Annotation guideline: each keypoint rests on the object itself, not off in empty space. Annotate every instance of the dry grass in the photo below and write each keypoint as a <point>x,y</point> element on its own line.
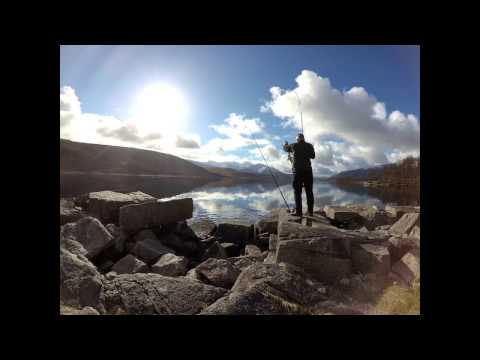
<point>397,300</point>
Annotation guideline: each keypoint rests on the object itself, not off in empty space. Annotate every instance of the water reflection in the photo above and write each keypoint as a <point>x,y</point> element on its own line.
<point>247,202</point>
<point>225,201</point>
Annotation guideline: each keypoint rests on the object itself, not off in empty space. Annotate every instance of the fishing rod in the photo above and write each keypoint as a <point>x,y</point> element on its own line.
<point>300,108</point>
<point>268,167</point>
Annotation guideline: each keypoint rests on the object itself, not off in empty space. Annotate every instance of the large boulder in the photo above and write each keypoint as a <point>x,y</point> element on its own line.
<point>157,294</point>
<point>231,249</point>
<point>87,310</point>
<point>269,223</point>
<point>69,212</point>
<point>343,216</point>
<point>80,282</point>
<point>242,262</point>
<point>415,233</point>
<point>323,258</point>
<point>408,268</point>
<point>119,237</point>
<point>396,211</point>
<point>153,214</point>
<point>105,205</point>
<point>368,258</point>
<point>73,246</point>
<point>233,233</point>
<point>129,264</point>
<point>405,224</point>
<point>269,289</point>
<point>217,272</point>
<point>90,233</point>
<point>252,250</point>
<point>399,246</point>
<point>182,239</point>
<point>148,247</point>
<point>216,251</point>
<point>170,265</point>
<point>371,215</point>
<point>322,251</point>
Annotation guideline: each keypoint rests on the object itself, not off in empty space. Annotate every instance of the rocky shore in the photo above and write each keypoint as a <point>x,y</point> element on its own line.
<point>134,254</point>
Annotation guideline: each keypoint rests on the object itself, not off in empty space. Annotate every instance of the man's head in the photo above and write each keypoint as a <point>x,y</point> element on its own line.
<point>300,138</point>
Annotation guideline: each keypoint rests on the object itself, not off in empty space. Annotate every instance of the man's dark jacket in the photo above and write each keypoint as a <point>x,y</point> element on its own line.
<point>302,153</point>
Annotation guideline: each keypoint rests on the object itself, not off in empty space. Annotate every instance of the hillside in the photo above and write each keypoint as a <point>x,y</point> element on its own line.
<point>405,172</point>
<point>243,170</point>
<point>83,157</point>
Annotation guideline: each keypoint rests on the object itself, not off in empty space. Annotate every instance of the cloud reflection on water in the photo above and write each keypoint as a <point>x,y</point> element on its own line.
<point>248,202</point>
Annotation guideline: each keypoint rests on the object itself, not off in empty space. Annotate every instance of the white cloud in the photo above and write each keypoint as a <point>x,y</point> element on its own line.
<point>365,133</point>
<point>101,129</point>
<point>238,132</point>
<point>188,143</point>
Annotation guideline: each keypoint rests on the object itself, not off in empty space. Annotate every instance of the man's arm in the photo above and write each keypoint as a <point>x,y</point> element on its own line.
<point>287,147</point>
<point>312,154</point>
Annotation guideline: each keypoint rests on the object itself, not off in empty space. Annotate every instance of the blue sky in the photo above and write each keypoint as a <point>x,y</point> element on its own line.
<point>100,85</point>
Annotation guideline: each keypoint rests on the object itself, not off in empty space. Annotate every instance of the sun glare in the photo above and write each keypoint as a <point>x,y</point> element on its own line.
<point>160,107</point>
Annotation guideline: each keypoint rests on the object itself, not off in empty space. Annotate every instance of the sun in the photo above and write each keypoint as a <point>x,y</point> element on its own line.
<point>160,107</point>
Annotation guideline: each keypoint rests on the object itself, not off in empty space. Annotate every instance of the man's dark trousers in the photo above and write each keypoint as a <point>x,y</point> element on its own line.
<point>303,177</point>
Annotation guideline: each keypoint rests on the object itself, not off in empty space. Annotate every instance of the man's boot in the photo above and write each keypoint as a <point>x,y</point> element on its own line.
<point>298,205</point>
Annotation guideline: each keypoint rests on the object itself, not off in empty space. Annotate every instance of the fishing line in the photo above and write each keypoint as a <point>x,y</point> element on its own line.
<point>268,167</point>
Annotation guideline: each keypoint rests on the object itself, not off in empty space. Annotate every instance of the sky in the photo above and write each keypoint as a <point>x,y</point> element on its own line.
<point>360,105</point>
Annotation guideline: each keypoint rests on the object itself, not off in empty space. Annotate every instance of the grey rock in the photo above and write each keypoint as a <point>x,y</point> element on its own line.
<point>119,237</point>
<point>343,215</point>
<point>383,227</point>
<point>405,224</point>
<point>231,249</point>
<point>322,258</point>
<point>129,264</point>
<point>269,289</point>
<point>415,233</point>
<point>90,233</point>
<point>182,239</point>
<point>371,215</point>
<point>87,310</point>
<point>408,267</point>
<point>69,212</point>
<point>215,251</point>
<point>148,248</point>
<point>136,217</point>
<point>217,272</point>
<point>267,225</point>
<point>368,258</point>
<point>252,250</point>
<point>273,242</point>
<point>105,205</point>
<point>73,246</point>
<point>157,294</point>
<point>80,282</point>
<point>233,233</point>
<point>170,265</point>
<point>396,212</point>
<point>399,246</point>
<point>242,262</point>
<point>192,274</point>
<point>105,266</point>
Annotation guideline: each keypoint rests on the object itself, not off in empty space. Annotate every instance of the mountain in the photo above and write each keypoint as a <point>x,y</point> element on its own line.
<point>83,157</point>
<point>243,169</point>
<point>403,172</point>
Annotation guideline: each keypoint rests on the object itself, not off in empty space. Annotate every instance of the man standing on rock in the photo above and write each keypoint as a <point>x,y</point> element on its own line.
<point>302,172</point>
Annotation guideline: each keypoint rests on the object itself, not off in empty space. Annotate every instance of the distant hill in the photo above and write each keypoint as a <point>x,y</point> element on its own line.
<point>244,170</point>
<point>83,157</point>
<point>95,158</point>
<point>404,172</point>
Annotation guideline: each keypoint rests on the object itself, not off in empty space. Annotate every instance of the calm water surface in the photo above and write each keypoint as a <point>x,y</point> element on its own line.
<point>243,203</point>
